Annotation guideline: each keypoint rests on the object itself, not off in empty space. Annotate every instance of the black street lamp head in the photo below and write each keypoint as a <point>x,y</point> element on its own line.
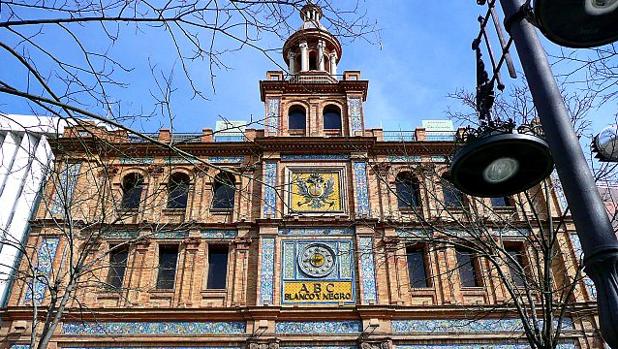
<point>605,144</point>
<point>578,23</point>
<point>501,164</point>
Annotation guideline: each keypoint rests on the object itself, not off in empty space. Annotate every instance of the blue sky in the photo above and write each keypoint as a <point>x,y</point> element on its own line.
<point>424,53</point>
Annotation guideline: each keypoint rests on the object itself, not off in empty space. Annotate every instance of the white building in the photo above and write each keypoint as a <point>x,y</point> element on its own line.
<point>25,158</point>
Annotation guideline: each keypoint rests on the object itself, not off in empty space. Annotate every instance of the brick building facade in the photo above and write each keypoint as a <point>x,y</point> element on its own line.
<point>298,235</point>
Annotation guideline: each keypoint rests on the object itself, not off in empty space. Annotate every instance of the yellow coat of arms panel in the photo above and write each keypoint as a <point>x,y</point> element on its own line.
<point>316,192</point>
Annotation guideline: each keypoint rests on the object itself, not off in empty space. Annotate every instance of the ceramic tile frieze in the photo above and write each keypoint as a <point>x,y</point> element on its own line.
<point>315,231</point>
<point>404,159</point>
<point>270,192</point>
<point>368,274</point>
<point>321,347</point>
<point>65,187</point>
<point>35,290</point>
<point>477,346</point>
<point>120,235</point>
<point>463,326</point>
<point>226,159</point>
<point>267,273</point>
<point>171,235</point>
<point>361,189</point>
<point>219,234</point>
<point>315,157</point>
<point>318,327</point>
<point>147,160</point>
<point>354,109</point>
<point>272,119</point>
<point>155,347</point>
<point>171,328</point>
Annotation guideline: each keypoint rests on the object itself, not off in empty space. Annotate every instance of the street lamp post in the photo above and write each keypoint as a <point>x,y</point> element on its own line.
<point>599,243</point>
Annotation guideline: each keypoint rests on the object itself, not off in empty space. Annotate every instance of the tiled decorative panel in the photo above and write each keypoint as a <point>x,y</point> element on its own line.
<point>361,189</point>
<point>368,272</point>
<point>477,346</point>
<point>463,326</point>
<point>43,265</point>
<point>267,274</point>
<point>272,118</point>
<point>170,328</point>
<point>26,346</point>
<point>438,158</point>
<point>413,233</point>
<point>318,327</point>
<point>226,159</point>
<point>322,347</point>
<point>270,192</point>
<point>316,231</point>
<point>129,160</point>
<point>404,159</point>
<point>317,272</point>
<point>577,246</point>
<point>219,233</point>
<point>354,109</point>
<point>171,234</point>
<point>316,190</point>
<point>315,157</point>
<point>120,235</point>
<point>65,186</point>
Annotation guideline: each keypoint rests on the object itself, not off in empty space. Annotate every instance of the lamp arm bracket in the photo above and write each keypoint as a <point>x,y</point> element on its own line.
<point>525,12</point>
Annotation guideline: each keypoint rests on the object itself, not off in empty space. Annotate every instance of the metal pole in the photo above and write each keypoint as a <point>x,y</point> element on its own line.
<point>599,243</point>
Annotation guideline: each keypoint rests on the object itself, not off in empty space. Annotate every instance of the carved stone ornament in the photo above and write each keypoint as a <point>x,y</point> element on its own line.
<point>262,345</point>
<point>374,345</point>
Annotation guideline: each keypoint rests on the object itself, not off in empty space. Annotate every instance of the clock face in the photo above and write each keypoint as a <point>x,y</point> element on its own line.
<point>316,260</point>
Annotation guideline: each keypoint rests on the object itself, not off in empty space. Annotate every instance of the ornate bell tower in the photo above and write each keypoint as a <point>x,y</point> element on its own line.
<point>311,99</point>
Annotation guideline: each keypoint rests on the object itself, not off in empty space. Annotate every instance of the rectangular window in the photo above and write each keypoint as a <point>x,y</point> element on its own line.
<point>168,256</point>
<point>117,266</point>
<point>217,267</point>
<point>501,201</point>
<point>516,265</point>
<point>417,268</point>
<point>468,269</point>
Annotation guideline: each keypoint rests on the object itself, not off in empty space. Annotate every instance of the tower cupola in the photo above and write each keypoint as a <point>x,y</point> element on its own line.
<point>312,50</point>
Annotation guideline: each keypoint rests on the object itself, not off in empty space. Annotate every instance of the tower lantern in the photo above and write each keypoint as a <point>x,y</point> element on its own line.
<point>312,51</point>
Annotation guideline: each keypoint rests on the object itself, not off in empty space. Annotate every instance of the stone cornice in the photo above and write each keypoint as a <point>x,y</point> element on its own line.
<point>341,87</point>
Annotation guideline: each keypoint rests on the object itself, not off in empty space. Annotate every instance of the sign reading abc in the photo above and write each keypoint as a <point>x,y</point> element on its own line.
<point>317,292</point>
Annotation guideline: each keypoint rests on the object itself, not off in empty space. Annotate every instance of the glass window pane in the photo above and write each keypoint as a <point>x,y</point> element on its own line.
<point>500,202</point>
<point>417,268</point>
<point>467,269</point>
<point>516,265</point>
<point>168,255</point>
<point>132,185</point>
<point>217,267</point>
<point>296,118</point>
<point>178,191</point>
<point>332,118</point>
<point>117,267</point>
<point>407,190</point>
<point>224,190</point>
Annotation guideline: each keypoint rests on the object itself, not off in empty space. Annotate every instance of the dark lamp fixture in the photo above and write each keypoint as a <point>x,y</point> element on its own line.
<point>500,164</point>
<point>605,144</point>
<point>578,23</point>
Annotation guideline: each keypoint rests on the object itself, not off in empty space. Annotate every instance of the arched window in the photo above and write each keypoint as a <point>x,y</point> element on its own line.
<point>407,188</point>
<point>132,185</point>
<point>332,117</point>
<point>223,191</point>
<point>178,190</point>
<point>297,118</point>
<point>313,60</point>
<point>453,198</point>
